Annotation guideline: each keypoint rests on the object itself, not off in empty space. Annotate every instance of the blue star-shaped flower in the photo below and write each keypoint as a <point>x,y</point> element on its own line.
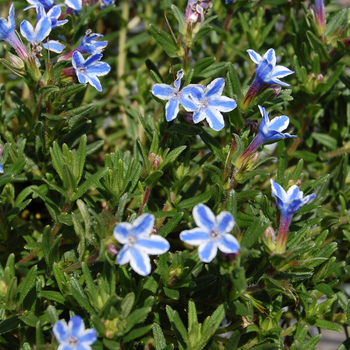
<point>37,35</point>
<point>289,202</point>
<point>88,71</point>
<point>74,336</point>
<point>7,33</point>
<point>210,103</point>
<point>266,70</point>
<point>88,44</point>
<point>211,234</point>
<point>174,96</point>
<point>53,14</point>
<point>138,243</point>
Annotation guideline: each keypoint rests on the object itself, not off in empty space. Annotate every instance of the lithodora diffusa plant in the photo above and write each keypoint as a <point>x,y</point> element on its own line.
<point>174,175</point>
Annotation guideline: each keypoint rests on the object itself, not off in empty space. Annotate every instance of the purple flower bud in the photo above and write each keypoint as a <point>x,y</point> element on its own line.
<point>112,249</point>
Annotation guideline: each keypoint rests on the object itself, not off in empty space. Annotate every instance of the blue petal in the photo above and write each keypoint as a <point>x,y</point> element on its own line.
<point>77,60</point>
<point>228,244</point>
<point>215,119</point>
<point>263,71</point>
<point>60,330</point>
<point>255,57</point>
<point>225,222</point>
<point>122,231</point>
<point>98,68</point>
<point>140,262</point>
<point>204,217</point>
<point>94,81</point>
<point>42,29</point>
<point>91,60</point>
<point>55,12</point>
<point>163,91</point>
<point>280,194</point>
<point>280,72</point>
<point>186,100</point>
<point>195,236</point>
<point>74,4</point>
<point>54,46</point>
<point>172,109</point>
<point>264,121</point>
<point>294,193</point>
<point>124,256</point>
<point>143,225</point>
<point>197,93</point>
<point>27,31</point>
<point>199,115</point>
<point>89,337</point>
<point>279,123</point>
<point>76,325</point>
<point>270,55</point>
<point>277,81</point>
<point>177,82</point>
<point>82,78</point>
<point>223,103</point>
<point>215,87</point>
<point>1,169</point>
<point>153,245</point>
<point>207,251</point>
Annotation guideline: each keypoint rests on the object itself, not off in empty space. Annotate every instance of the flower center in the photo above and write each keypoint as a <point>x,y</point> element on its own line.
<point>205,103</point>
<point>132,241</point>
<point>214,233</point>
<point>82,70</point>
<point>73,341</point>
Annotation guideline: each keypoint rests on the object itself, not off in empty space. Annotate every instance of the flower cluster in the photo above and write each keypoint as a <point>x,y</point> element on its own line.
<point>49,17</point>
<point>206,103</point>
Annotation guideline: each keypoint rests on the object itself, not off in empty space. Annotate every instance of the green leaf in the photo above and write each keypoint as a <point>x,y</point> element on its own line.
<point>202,64</point>
<point>213,145</point>
<point>26,285</point>
<point>179,16</point>
<point>202,198</point>
<point>172,156</point>
<point>233,84</point>
<point>233,342</point>
<point>170,225</point>
<point>10,324</point>
<point>164,39</point>
<point>90,181</point>
<point>159,340</point>
<point>178,326</point>
<point>137,333</point>
<point>328,325</point>
<point>138,316</point>
<point>52,295</point>
<point>255,230</point>
<point>80,296</point>
<point>153,178</point>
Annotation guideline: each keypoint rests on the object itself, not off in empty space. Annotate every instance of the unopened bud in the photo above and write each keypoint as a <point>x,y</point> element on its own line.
<point>188,118</point>
<point>276,89</point>
<point>270,238</point>
<point>230,257</point>
<point>155,160</point>
<point>174,276</point>
<point>112,249</point>
<point>154,231</point>
<point>319,78</point>
<point>16,61</point>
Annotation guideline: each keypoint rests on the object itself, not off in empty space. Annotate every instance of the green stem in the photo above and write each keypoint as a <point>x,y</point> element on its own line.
<point>338,152</point>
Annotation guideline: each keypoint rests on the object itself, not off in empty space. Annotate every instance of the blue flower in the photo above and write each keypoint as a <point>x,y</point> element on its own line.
<point>138,243</point>
<point>7,33</point>
<point>37,35</point>
<point>46,3</point>
<point>1,169</point>
<point>88,71</point>
<point>74,336</point>
<point>211,234</point>
<point>76,5</point>
<point>209,103</point>
<point>88,45</point>
<point>174,96</point>
<point>289,202</point>
<point>266,70</point>
<point>53,14</point>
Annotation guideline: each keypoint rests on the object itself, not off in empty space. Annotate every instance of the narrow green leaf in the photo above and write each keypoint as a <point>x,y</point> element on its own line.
<point>164,39</point>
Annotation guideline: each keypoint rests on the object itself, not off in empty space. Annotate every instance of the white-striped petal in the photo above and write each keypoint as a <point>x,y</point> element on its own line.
<point>207,251</point>
<point>225,222</point>
<point>228,244</point>
<point>122,231</point>
<point>54,45</point>
<point>140,262</point>
<point>214,119</point>
<point>255,57</point>
<point>204,217</point>
<point>223,103</point>
<point>196,236</point>
<point>154,245</point>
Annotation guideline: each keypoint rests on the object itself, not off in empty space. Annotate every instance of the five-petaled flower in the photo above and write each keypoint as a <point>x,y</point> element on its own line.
<point>139,243</point>
<point>288,203</point>
<point>212,233</point>
<point>269,130</point>
<point>88,70</point>
<point>174,96</point>
<point>210,103</point>
<point>88,44</point>
<point>46,3</point>
<point>74,336</point>
<point>53,14</point>
<point>266,73</point>
<point>7,33</point>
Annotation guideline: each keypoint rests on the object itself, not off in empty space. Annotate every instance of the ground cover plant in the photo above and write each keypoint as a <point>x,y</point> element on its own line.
<point>174,174</point>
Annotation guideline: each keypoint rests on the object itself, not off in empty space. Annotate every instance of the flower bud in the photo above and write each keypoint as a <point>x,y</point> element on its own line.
<point>112,249</point>
<point>188,118</point>
<point>155,160</point>
<point>270,238</point>
<point>16,61</point>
